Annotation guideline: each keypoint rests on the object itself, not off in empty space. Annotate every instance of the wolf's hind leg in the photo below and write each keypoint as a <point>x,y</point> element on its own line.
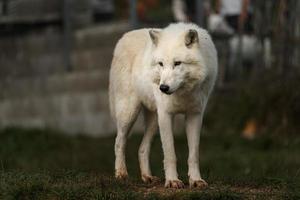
<point>151,127</point>
<point>127,111</point>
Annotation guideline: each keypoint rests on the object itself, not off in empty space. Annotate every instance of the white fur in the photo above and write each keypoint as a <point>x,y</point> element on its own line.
<point>135,78</point>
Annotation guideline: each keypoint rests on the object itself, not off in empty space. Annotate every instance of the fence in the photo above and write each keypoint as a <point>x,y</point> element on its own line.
<point>54,70</point>
<point>276,25</point>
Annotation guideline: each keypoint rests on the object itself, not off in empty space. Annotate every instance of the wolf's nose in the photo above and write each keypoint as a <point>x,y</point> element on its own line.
<point>164,88</point>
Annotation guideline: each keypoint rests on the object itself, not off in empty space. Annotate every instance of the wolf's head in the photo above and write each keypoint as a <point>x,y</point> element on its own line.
<point>176,58</point>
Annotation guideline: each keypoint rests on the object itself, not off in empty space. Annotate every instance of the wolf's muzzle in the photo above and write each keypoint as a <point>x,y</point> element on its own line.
<point>165,89</point>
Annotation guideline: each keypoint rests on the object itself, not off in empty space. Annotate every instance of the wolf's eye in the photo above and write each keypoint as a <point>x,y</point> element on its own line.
<point>177,63</point>
<point>161,64</point>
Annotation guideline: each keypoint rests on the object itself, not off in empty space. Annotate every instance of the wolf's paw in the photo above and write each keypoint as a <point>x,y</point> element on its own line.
<point>121,175</point>
<point>178,184</point>
<point>198,183</point>
<point>150,179</point>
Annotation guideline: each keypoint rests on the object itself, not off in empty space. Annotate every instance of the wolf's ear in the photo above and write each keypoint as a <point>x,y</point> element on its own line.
<point>191,38</point>
<point>154,35</point>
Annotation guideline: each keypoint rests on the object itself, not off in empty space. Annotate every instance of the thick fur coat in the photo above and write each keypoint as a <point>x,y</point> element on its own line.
<point>162,72</point>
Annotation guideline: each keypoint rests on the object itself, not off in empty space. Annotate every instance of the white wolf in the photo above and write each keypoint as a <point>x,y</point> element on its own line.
<point>162,72</point>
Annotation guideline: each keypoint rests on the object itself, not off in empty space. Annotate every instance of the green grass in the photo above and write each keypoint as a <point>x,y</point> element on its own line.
<point>44,164</point>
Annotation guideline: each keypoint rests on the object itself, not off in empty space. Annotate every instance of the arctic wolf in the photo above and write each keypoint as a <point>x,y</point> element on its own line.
<point>162,72</point>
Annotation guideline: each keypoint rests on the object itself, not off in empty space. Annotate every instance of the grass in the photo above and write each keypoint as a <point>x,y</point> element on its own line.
<point>44,164</point>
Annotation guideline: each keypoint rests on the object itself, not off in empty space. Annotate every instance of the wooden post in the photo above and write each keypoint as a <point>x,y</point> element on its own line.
<point>67,35</point>
<point>133,15</point>
<point>200,12</point>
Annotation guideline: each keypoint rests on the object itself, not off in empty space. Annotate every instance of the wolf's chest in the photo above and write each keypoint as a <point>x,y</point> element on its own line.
<point>182,105</point>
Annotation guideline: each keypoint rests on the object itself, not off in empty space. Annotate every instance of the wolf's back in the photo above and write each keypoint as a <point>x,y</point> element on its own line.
<point>125,53</point>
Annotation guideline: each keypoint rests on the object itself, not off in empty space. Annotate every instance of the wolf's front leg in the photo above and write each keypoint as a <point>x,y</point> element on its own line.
<point>165,125</point>
<point>193,127</point>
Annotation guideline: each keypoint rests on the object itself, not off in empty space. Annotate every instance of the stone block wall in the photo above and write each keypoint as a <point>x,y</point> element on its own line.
<point>36,90</point>
<point>72,102</point>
